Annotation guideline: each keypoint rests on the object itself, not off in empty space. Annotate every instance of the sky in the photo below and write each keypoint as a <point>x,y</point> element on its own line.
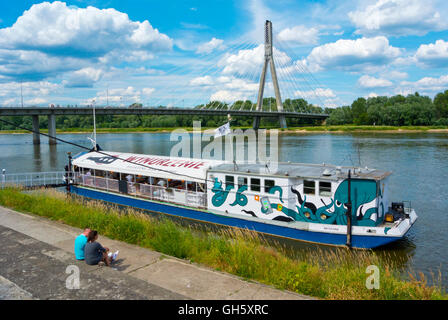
<point>185,53</point>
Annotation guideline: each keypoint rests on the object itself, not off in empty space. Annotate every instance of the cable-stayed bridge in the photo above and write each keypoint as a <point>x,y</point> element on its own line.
<point>245,83</point>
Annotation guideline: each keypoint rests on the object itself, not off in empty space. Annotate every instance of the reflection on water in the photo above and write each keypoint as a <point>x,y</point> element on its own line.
<point>37,162</point>
<point>53,155</point>
<point>419,162</point>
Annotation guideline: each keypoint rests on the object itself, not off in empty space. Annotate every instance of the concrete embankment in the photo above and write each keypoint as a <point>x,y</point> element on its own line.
<point>36,253</point>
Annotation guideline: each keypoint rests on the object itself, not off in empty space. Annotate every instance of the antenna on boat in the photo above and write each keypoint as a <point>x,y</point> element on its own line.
<point>95,146</point>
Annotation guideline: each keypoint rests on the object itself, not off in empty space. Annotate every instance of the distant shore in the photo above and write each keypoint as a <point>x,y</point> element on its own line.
<point>310,129</point>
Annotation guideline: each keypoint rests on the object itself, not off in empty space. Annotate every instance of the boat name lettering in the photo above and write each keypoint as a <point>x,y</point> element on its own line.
<point>167,162</point>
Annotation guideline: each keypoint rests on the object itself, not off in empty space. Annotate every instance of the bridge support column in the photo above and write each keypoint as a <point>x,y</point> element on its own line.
<point>36,135</point>
<point>256,124</point>
<point>52,128</point>
<point>282,120</point>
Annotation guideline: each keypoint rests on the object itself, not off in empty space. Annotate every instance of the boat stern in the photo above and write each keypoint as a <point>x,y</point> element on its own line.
<point>401,226</point>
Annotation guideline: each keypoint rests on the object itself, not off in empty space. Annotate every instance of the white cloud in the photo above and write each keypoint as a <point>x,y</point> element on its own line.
<point>52,38</point>
<point>40,88</point>
<point>121,96</point>
<point>36,101</point>
<point>228,96</point>
<point>244,62</point>
<point>148,91</point>
<point>319,92</point>
<point>227,88</point>
<point>11,102</point>
<point>433,54</point>
<point>11,92</point>
<point>202,81</point>
<point>67,30</point>
<point>427,84</point>
<point>250,60</point>
<point>352,55</point>
<point>394,74</point>
<point>399,17</point>
<point>83,78</point>
<point>299,35</point>
<point>371,82</point>
<point>208,47</point>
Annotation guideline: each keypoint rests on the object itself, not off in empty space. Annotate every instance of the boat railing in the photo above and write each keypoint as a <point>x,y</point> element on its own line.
<point>148,191</point>
<point>33,179</point>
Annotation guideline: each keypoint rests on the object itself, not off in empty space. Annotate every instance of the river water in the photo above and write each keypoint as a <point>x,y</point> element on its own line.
<point>419,162</point>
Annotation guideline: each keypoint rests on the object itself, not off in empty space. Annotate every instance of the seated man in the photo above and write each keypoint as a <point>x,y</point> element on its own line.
<point>80,243</point>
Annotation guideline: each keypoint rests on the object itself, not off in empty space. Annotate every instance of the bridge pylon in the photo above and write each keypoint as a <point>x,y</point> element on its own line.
<point>269,59</point>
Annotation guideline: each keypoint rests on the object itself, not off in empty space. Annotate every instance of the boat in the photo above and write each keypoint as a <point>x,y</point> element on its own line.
<point>304,202</point>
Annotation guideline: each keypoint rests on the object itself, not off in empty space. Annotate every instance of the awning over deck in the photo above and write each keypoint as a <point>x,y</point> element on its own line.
<point>147,165</point>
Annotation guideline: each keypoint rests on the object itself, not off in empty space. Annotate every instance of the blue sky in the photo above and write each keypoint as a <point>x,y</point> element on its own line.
<point>184,53</point>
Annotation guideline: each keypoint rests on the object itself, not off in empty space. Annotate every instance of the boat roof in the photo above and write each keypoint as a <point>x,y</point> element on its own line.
<point>147,165</point>
<point>301,170</point>
<point>191,169</point>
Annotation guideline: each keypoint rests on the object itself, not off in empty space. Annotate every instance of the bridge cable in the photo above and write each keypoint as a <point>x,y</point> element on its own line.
<point>210,58</point>
<point>302,72</point>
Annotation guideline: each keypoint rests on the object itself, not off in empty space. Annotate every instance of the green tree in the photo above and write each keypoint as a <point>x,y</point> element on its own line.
<point>441,104</point>
<point>359,111</point>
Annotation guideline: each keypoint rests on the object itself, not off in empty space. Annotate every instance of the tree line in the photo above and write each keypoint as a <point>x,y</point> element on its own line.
<point>412,110</point>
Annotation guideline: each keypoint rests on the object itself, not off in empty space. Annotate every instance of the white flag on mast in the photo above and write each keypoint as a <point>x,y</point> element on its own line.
<point>222,130</point>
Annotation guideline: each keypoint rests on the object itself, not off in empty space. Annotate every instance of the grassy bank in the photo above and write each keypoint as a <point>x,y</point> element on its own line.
<point>340,274</point>
<point>338,128</point>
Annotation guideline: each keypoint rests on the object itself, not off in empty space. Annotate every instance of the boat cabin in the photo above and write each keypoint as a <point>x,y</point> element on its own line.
<point>299,192</point>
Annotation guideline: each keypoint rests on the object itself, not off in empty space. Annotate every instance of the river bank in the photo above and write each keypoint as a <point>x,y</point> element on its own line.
<point>308,129</point>
<point>37,251</point>
<point>330,275</point>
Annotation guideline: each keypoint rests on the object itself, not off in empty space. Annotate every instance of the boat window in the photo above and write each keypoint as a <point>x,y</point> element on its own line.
<point>309,187</point>
<point>176,184</point>
<point>254,184</point>
<point>230,181</point>
<point>325,189</point>
<point>242,181</point>
<point>268,184</point>
<point>191,186</point>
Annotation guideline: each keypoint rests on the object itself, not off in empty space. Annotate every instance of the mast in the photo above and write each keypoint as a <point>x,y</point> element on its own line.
<point>94,126</point>
<point>349,212</point>
<point>269,59</point>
